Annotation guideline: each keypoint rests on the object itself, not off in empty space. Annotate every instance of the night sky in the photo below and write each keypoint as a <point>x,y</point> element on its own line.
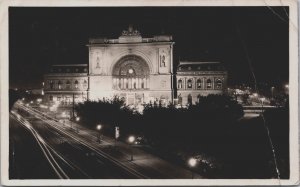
<point>40,37</point>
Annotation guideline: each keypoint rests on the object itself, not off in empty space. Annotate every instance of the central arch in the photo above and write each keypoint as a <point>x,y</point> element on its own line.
<point>131,72</point>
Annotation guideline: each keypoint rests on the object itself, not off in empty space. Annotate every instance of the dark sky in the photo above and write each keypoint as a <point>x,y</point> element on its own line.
<point>39,37</point>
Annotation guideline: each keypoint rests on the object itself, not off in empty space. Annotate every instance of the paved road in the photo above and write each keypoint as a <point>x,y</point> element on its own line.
<point>94,160</point>
<point>75,160</point>
<point>26,155</point>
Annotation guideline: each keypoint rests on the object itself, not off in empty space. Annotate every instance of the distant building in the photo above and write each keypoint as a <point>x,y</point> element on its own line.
<point>136,69</point>
<point>64,83</point>
<point>195,79</point>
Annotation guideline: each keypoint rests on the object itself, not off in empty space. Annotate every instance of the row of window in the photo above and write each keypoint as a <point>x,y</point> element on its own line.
<point>67,85</point>
<point>200,84</point>
<point>130,83</point>
<point>68,99</point>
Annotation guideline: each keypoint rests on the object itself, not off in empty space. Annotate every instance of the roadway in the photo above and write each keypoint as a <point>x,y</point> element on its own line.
<point>83,157</point>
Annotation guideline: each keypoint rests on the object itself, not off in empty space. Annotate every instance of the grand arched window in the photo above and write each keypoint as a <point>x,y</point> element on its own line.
<point>199,84</point>
<point>131,72</point>
<point>190,84</point>
<point>208,84</point>
<point>179,84</point>
<point>218,84</point>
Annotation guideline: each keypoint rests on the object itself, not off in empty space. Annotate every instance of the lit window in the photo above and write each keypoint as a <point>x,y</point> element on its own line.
<point>180,84</point>
<point>85,84</point>
<point>218,84</point>
<point>59,85</point>
<point>190,84</point>
<point>199,84</point>
<point>76,84</point>
<point>51,84</point>
<point>208,84</point>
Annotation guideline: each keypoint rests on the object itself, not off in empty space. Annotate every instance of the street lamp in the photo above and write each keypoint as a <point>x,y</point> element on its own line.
<point>99,127</point>
<point>287,86</point>
<point>192,163</point>
<point>131,139</point>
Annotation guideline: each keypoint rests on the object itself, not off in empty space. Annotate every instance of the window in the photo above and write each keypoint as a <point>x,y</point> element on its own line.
<point>59,85</point>
<point>68,85</point>
<point>179,84</point>
<point>58,98</point>
<point>190,84</point>
<point>134,85</point>
<point>76,84</point>
<point>189,68</point>
<point>199,84</point>
<point>143,85</point>
<point>85,70</point>
<point>190,99</point>
<point>179,100</point>
<point>218,84</point>
<point>68,70</point>
<point>208,84</point>
<point>51,98</point>
<point>51,83</point>
<point>85,84</point>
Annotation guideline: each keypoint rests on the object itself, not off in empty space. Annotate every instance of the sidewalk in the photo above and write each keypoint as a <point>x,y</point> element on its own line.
<point>145,163</point>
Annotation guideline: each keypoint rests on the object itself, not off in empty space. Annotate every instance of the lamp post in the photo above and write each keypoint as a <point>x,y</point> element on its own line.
<point>99,127</point>
<point>71,123</point>
<point>272,91</point>
<point>131,139</point>
<point>262,104</point>
<point>77,119</point>
<point>192,162</point>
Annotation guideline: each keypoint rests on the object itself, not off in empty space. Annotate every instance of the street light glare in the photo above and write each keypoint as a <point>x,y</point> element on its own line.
<point>99,127</point>
<point>287,86</point>
<point>131,139</point>
<point>192,162</point>
<point>77,118</point>
<point>255,94</point>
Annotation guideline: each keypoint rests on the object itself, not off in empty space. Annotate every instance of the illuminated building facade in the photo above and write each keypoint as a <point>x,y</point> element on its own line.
<point>195,79</point>
<point>136,69</point>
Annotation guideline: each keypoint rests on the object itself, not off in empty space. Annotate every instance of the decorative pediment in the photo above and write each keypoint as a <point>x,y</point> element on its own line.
<point>131,32</point>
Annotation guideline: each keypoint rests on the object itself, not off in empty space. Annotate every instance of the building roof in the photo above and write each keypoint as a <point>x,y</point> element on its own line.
<point>131,36</point>
<point>187,66</point>
<point>69,68</point>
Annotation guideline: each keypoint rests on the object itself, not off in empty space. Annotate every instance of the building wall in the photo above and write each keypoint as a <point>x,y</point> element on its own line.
<point>61,87</point>
<point>196,89</point>
<point>103,58</point>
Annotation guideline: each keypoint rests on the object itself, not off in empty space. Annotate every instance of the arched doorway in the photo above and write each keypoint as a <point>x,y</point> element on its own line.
<point>190,99</point>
